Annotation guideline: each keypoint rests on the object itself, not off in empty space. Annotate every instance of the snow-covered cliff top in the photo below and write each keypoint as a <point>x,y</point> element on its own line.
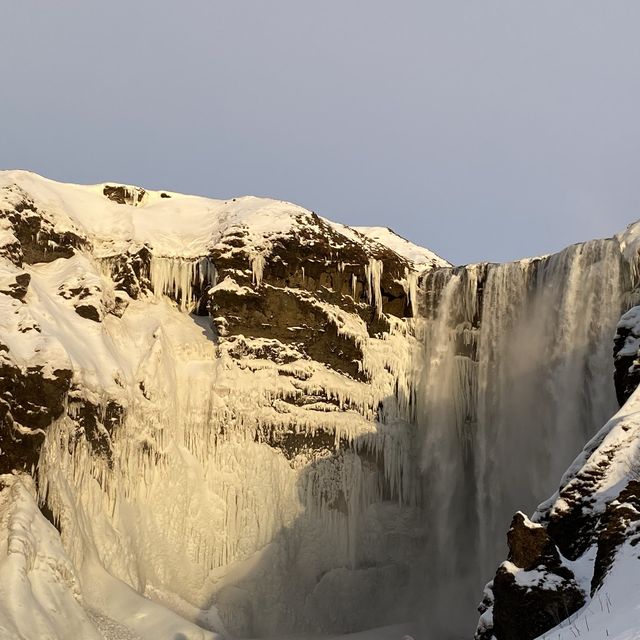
<point>113,216</point>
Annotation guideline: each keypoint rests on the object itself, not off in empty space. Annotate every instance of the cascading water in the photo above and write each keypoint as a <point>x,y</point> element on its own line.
<point>516,374</point>
<point>478,417</point>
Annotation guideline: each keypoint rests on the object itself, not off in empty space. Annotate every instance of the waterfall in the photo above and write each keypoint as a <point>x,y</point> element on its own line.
<point>516,373</point>
<point>220,490</point>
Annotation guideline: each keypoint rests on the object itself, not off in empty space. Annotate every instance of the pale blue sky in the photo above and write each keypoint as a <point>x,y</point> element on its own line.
<point>483,129</point>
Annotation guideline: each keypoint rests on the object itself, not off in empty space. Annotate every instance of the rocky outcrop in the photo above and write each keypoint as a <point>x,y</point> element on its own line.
<point>626,347</point>
<point>533,590</point>
<point>31,234</point>
<point>131,271</point>
<point>122,194</point>
<point>298,292</point>
<point>249,342</point>
<point>30,401</point>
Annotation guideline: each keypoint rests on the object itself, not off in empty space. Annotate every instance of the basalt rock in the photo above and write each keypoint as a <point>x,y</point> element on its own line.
<point>533,591</point>
<point>37,237</point>
<point>29,403</point>
<point>131,271</point>
<point>626,346</point>
<point>122,194</point>
<point>302,285</point>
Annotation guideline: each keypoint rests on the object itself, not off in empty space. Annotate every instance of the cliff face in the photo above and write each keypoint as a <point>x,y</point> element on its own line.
<point>233,417</point>
<point>568,566</point>
<point>195,386</point>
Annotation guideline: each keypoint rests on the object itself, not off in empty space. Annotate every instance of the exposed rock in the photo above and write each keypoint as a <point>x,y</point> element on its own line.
<point>626,347</point>
<point>301,287</point>
<point>124,194</point>
<point>131,271</point>
<point>534,590</point>
<point>86,295</point>
<point>37,236</point>
<point>95,422</point>
<point>15,284</point>
<point>29,403</point>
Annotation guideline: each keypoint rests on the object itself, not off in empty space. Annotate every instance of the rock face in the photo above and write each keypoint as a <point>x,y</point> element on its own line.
<point>168,338</point>
<point>533,590</point>
<point>595,512</point>
<point>626,346</point>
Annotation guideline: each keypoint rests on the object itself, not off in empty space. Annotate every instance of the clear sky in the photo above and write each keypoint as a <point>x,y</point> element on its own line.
<point>483,129</point>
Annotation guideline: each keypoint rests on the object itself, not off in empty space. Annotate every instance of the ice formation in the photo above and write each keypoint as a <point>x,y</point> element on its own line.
<point>175,277</point>
<point>386,486</point>
<point>374,273</point>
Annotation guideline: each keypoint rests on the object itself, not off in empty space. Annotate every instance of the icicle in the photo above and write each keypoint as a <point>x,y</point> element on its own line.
<point>175,277</point>
<point>257,268</point>
<point>373,272</point>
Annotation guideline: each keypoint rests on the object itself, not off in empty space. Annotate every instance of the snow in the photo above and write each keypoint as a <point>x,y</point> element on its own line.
<point>195,517</point>
<point>533,577</point>
<point>614,449</point>
<point>40,593</point>
<point>421,257</point>
<point>182,226</point>
<point>614,610</point>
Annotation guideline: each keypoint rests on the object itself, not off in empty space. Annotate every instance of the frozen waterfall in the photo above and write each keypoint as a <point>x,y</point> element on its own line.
<point>482,399</point>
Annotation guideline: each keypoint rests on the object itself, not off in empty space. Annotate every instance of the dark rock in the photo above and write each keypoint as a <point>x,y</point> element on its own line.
<point>17,287</point>
<point>123,194</point>
<point>626,369</point>
<point>530,544</point>
<point>89,311</point>
<point>29,403</point>
<point>620,521</point>
<point>37,238</point>
<point>131,271</point>
<point>96,422</point>
<point>291,318</point>
<point>525,612</point>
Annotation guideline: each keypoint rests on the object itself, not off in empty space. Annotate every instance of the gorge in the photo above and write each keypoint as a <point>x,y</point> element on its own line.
<point>246,421</point>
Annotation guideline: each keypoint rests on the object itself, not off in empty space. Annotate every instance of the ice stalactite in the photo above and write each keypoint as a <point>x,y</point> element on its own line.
<point>410,286</point>
<point>373,273</point>
<point>176,277</point>
<point>258,262</point>
<point>191,490</point>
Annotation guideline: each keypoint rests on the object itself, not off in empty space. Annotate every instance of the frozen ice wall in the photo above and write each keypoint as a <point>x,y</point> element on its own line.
<point>516,374</point>
<point>257,492</point>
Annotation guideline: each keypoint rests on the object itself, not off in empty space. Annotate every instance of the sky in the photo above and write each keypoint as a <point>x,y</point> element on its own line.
<point>482,129</point>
